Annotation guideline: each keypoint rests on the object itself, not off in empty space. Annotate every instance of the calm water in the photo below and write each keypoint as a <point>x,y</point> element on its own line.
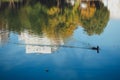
<point>35,53</point>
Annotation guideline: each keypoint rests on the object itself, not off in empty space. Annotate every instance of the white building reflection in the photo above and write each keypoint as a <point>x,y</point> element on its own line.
<point>37,44</point>
<point>114,7</point>
<point>72,2</point>
<point>4,34</point>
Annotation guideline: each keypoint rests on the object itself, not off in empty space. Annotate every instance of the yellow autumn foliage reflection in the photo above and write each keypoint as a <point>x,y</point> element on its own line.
<point>53,10</point>
<point>88,12</point>
<point>57,21</point>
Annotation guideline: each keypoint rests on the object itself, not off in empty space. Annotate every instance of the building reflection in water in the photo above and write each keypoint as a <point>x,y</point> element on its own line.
<point>39,44</point>
<point>4,34</point>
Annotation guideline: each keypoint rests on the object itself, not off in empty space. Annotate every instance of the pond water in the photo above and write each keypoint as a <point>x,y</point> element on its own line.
<point>38,44</point>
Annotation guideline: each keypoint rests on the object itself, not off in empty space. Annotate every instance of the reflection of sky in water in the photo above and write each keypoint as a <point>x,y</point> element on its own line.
<point>109,38</point>
<point>66,63</point>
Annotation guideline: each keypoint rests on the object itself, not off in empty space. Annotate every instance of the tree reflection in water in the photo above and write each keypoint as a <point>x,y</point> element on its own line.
<point>55,19</point>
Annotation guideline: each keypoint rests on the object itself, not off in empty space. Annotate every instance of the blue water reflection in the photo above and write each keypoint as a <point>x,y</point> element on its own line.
<point>65,63</point>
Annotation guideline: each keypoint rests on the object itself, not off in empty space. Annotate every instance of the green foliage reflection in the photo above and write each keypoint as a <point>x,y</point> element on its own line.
<point>55,19</point>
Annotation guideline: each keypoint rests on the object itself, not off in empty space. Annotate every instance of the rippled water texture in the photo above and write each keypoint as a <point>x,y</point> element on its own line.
<point>59,40</point>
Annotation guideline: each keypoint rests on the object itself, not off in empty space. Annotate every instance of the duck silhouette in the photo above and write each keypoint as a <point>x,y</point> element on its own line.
<point>96,48</point>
